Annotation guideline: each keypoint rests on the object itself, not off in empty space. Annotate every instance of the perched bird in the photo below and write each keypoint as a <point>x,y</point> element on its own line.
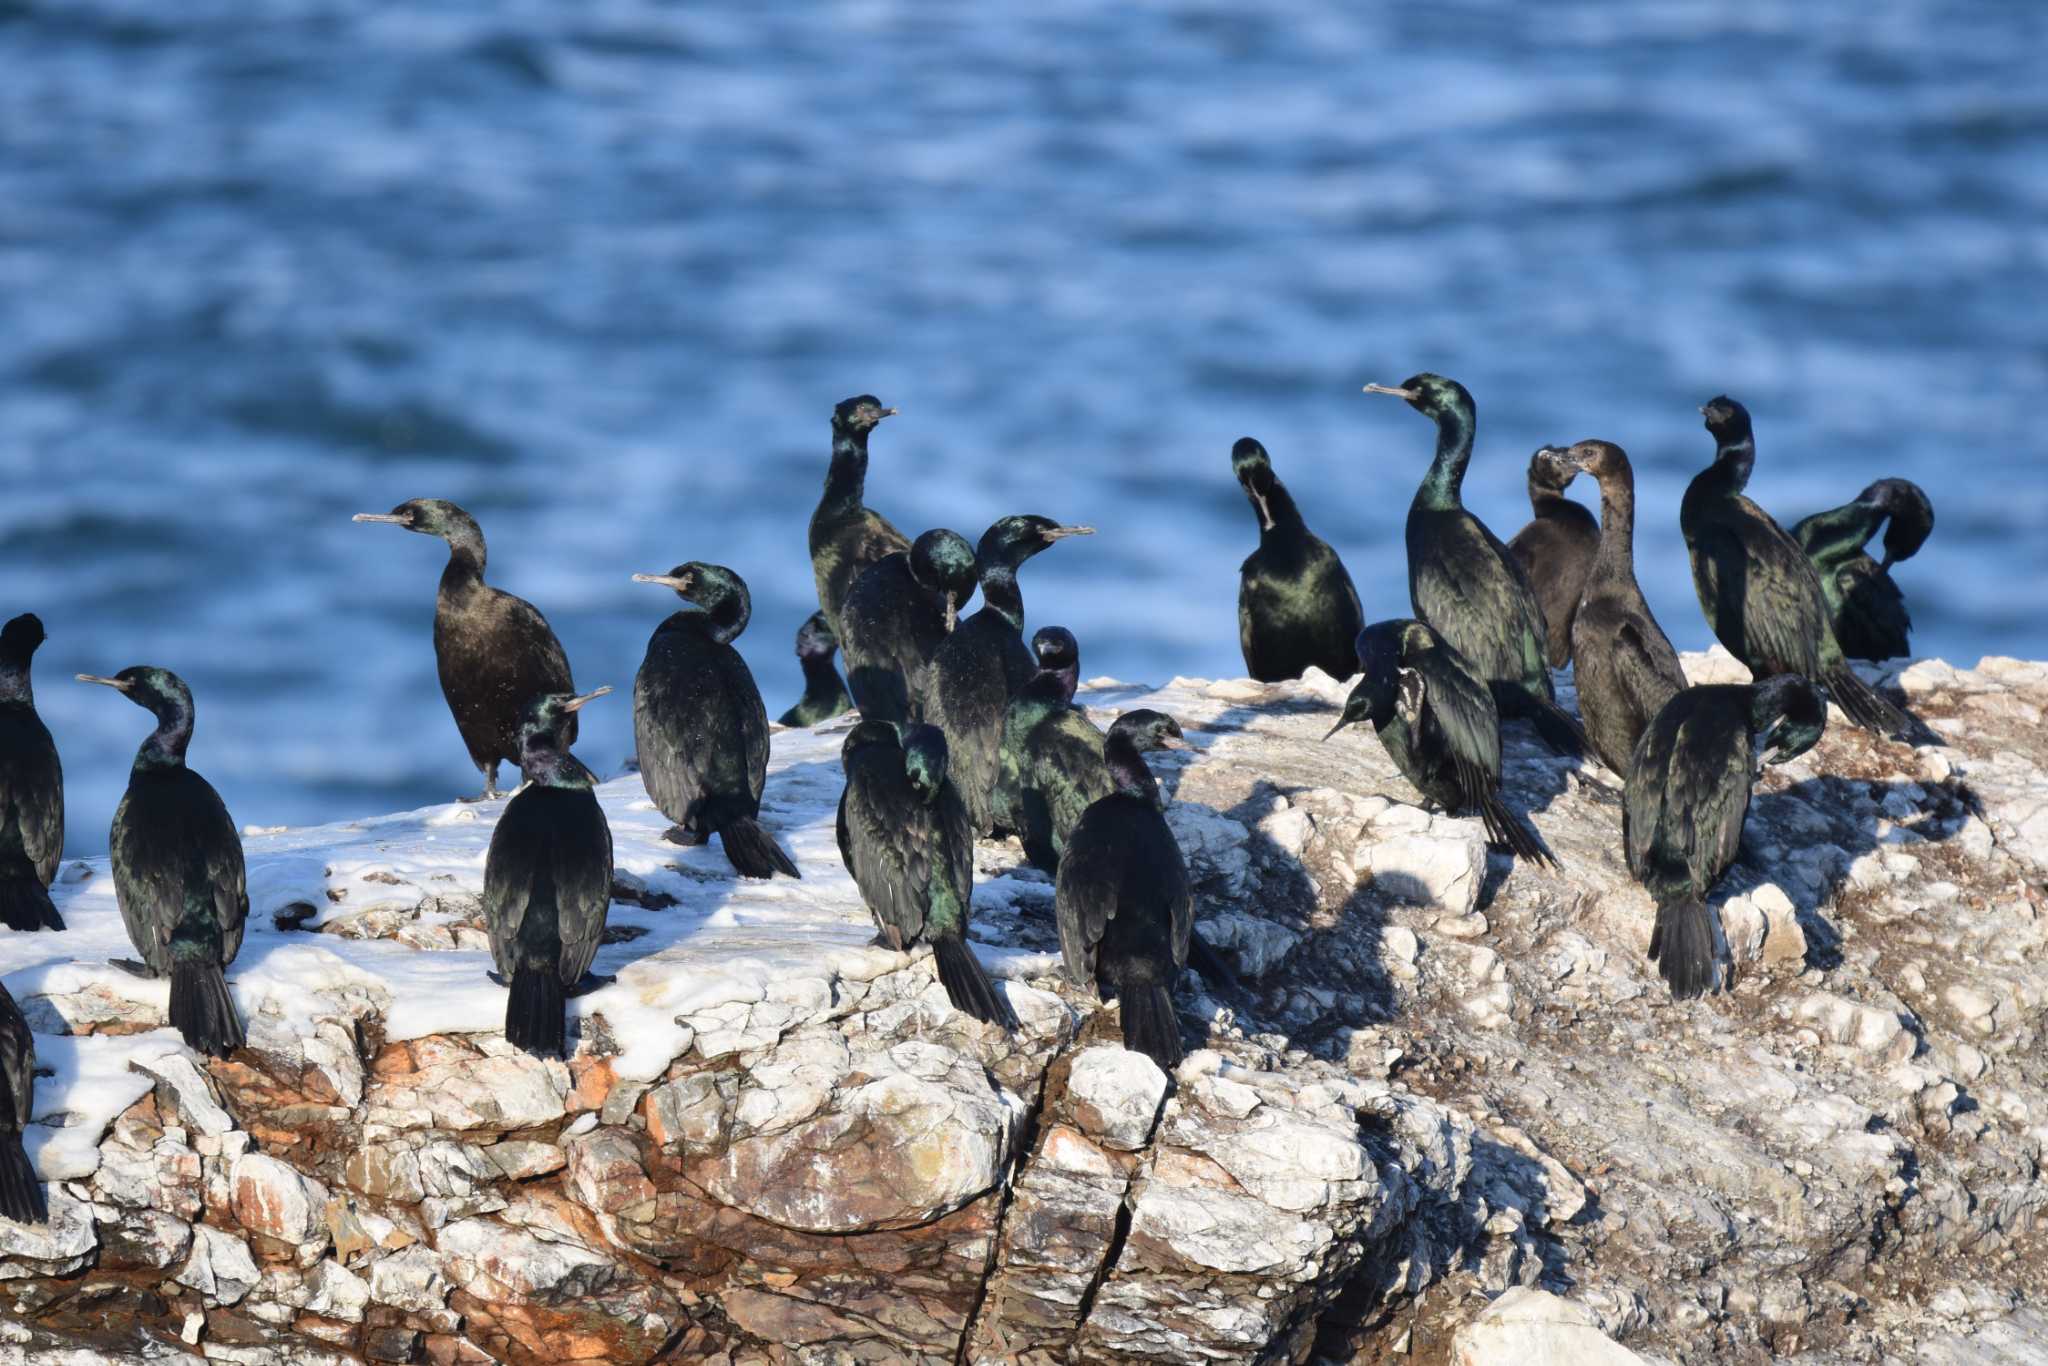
<point>1125,907</point>
<point>1463,581</point>
<point>1438,723</point>
<point>548,880</point>
<point>846,534</point>
<point>495,652</point>
<point>31,788</point>
<point>21,1191</point>
<point>700,723</point>
<point>825,694</point>
<point>1295,603</point>
<point>982,664</point>
<point>178,872</point>
<point>898,612</point>
<point>1865,607</point>
<point>1757,587</point>
<point>1050,768</point>
<point>903,834</point>
<point>1688,793</point>
<point>1624,663</point>
<point>1556,548</point>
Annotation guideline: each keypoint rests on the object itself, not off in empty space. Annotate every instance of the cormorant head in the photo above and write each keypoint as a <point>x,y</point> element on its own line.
<point>1149,730</point>
<point>1013,540</point>
<point>1551,470</point>
<point>1911,516</point>
<point>1787,714</point>
<point>540,726</point>
<point>1254,470</point>
<point>858,415</point>
<point>814,639</point>
<point>924,760</point>
<point>430,517</point>
<point>19,639</point>
<point>1727,420</point>
<point>1602,459</point>
<point>1431,395</point>
<point>942,562</point>
<point>158,691</point>
<point>1055,648</point>
<point>869,735</point>
<point>720,592</point>
<point>1379,663</point>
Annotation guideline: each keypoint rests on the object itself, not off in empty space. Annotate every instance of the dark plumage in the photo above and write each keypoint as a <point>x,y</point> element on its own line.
<point>700,724</point>
<point>846,534</point>
<point>548,880</point>
<point>1865,607</point>
<point>1688,793</point>
<point>21,1191</point>
<point>1757,587</point>
<point>1556,549</point>
<point>495,652</point>
<point>825,694</point>
<point>904,836</point>
<point>1296,606</point>
<point>894,619</point>
<point>1463,581</point>
<point>31,788</point>
<point>1050,768</point>
<point>178,872</point>
<point>1126,911</point>
<point>981,665</point>
<point>1438,723</point>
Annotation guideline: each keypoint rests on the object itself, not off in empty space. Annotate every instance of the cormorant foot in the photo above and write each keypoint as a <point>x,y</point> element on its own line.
<point>676,834</point>
<point>498,978</point>
<point>133,968</point>
<point>488,795</point>
<point>590,982</point>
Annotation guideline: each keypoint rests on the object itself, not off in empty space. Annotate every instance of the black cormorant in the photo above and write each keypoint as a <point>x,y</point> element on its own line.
<point>495,652</point>
<point>700,724</point>
<point>904,836</point>
<point>1463,581</point>
<point>825,694</point>
<point>21,1192</point>
<point>178,872</point>
<point>548,880</point>
<point>1050,768</point>
<point>1866,608</point>
<point>1556,548</point>
<point>1125,907</point>
<point>896,615</point>
<point>1688,792</point>
<point>31,788</point>
<point>846,534</point>
<point>1295,602</point>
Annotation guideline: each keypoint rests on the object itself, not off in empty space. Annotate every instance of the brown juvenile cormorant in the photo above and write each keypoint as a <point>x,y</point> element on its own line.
<point>21,1192</point>
<point>701,726</point>
<point>1295,602</point>
<point>1866,608</point>
<point>495,652</point>
<point>1463,581</point>
<point>548,880</point>
<point>1688,793</point>
<point>895,617</point>
<point>1125,907</point>
<point>31,788</point>
<point>1050,768</point>
<point>980,667</point>
<point>846,534</point>
<point>1758,589</point>
<point>825,694</point>
<point>1556,548</point>
<point>904,837</point>
<point>178,872</point>
<point>1438,723</point>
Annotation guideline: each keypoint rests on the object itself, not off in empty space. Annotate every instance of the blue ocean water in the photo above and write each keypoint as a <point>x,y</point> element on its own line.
<point>599,271</point>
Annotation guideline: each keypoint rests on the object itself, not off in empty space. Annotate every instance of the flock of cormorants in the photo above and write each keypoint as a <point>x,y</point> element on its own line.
<point>967,731</point>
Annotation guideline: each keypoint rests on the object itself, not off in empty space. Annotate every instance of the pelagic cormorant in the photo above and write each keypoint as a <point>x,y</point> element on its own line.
<point>1463,581</point>
<point>495,652</point>
<point>178,872</point>
<point>1625,666</point>
<point>904,837</point>
<point>825,694</point>
<point>1865,607</point>
<point>981,665</point>
<point>898,612</point>
<point>1295,603</point>
<point>1125,907</point>
<point>1050,768</point>
<point>1438,723</point>
<point>700,724</point>
<point>1757,587</point>
<point>31,788</point>
<point>1688,793</point>
<point>21,1192</point>
<point>548,880</point>
<point>846,534</point>
<point>1556,548</point>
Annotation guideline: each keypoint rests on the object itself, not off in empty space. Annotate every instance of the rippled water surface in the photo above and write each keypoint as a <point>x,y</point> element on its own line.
<point>599,271</point>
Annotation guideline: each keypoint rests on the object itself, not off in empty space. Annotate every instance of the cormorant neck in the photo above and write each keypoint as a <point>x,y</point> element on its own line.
<point>466,556</point>
<point>1548,502</point>
<point>15,685</point>
<point>165,747</point>
<point>1055,685</point>
<point>1455,427</point>
<point>1128,770</point>
<point>1617,522</point>
<point>1734,459</point>
<point>846,481</point>
<point>550,766</point>
<point>1281,511</point>
<point>722,617</point>
<point>999,593</point>
<point>1842,532</point>
<point>821,679</point>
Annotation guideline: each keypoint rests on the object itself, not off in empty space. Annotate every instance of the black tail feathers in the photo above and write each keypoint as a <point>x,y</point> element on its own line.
<point>1561,731</point>
<point>967,984</point>
<point>21,1194</point>
<point>25,903</point>
<point>1502,827</point>
<point>534,1012</point>
<point>201,1009</point>
<point>753,851</point>
<point>1866,708</point>
<point>1151,1025</point>
<point>1682,947</point>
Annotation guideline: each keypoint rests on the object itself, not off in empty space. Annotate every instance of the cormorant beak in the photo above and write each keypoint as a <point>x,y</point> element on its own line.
<point>887,412</point>
<point>1703,410</point>
<point>1059,533</point>
<point>1174,742</point>
<point>1265,513</point>
<point>1408,394</point>
<point>390,517</point>
<point>1342,722</point>
<point>120,683</point>
<point>952,612</point>
<point>680,583</point>
<point>578,703</point>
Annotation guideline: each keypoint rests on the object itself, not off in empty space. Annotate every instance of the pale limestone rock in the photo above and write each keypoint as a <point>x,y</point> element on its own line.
<point>1116,1095</point>
<point>1529,1327</point>
<point>275,1199</point>
<point>219,1266</point>
<point>62,1245</point>
<point>411,1278</point>
<point>190,1094</point>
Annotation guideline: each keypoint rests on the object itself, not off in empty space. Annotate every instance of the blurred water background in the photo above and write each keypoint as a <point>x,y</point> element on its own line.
<point>599,271</point>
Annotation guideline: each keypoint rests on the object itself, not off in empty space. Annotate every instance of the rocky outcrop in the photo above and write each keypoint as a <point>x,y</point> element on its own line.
<point>1448,1113</point>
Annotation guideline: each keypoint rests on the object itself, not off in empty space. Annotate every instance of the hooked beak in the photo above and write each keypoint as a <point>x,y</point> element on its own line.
<point>1342,722</point>
<point>578,703</point>
<point>1703,410</point>
<point>1062,532</point>
<point>119,683</point>
<point>1408,394</point>
<point>1265,513</point>
<point>890,412</point>
<point>680,584</point>
<point>390,517</point>
<point>1175,742</point>
<point>1563,456</point>
<point>952,611</point>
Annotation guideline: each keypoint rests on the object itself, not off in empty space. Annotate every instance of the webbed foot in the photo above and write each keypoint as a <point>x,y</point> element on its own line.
<point>589,982</point>
<point>677,834</point>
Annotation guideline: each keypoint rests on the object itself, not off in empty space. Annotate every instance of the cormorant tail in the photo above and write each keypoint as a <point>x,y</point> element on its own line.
<point>1504,829</point>
<point>25,903</point>
<point>1151,1026</point>
<point>1871,711</point>
<point>533,1013</point>
<point>967,984</point>
<point>1561,730</point>
<point>201,1010</point>
<point>1682,947</point>
<point>753,851</point>
<point>21,1194</point>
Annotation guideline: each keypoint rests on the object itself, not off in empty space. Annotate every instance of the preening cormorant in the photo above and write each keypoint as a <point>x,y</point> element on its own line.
<point>904,837</point>
<point>846,534</point>
<point>1866,608</point>
<point>981,665</point>
<point>1688,793</point>
<point>1126,910</point>
<point>548,880</point>
<point>700,723</point>
<point>825,694</point>
<point>1556,548</point>
<point>21,1191</point>
<point>898,612</point>
<point>1757,587</point>
<point>1050,768</point>
<point>1295,603</point>
<point>31,788</point>
<point>178,872</point>
<point>1438,723</point>
<point>495,652</point>
<point>1463,581</point>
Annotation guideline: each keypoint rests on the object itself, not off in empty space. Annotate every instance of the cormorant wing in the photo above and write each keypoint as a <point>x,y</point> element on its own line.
<point>17,1065</point>
<point>167,828</point>
<point>509,869</point>
<point>36,797</point>
<point>893,846</point>
<point>1461,708</point>
<point>1712,759</point>
<point>1090,880</point>
<point>583,883</point>
<point>1066,767</point>
<point>669,713</point>
<point>1473,585</point>
<point>1767,590</point>
<point>228,874</point>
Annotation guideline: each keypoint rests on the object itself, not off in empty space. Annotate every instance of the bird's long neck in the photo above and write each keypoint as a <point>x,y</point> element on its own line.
<point>1445,481</point>
<point>165,747</point>
<point>15,687</point>
<point>1282,513</point>
<point>1617,524</point>
<point>1841,532</point>
<point>821,679</point>
<point>1054,685</point>
<point>999,592</point>
<point>724,614</point>
<point>553,766</point>
<point>846,481</point>
<point>1733,460</point>
<point>466,556</point>
<point>1128,770</point>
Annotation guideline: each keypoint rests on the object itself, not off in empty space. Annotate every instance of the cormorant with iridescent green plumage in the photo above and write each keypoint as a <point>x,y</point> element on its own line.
<point>900,610</point>
<point>1296,605</point>
<point>1555,549</point>
<point>825,694</point>
<point>1865,607</point>
<point>846,534</point>
<point>21,1191</point>
<point>31,788</point>
<point>1050,767</point>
